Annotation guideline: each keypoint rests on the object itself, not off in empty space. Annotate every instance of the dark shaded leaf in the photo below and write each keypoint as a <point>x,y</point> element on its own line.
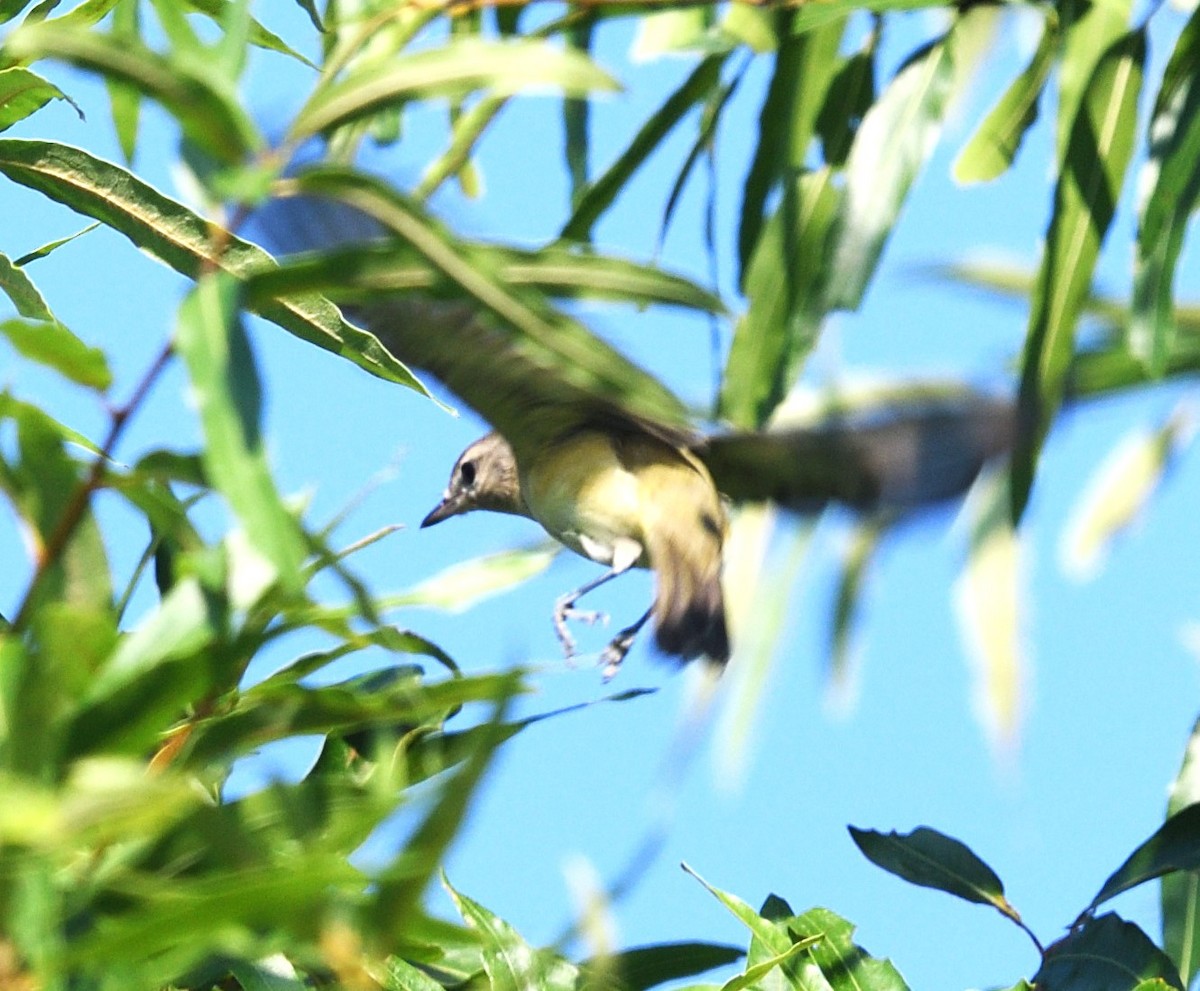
<point>933,860</point>
<point>1175,846</point>
<point>1104,954</point>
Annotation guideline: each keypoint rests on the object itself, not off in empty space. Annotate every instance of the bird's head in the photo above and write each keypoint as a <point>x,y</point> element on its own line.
<point>484,477</point>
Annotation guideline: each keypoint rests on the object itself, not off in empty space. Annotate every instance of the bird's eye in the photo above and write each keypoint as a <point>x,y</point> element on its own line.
<point>468,472</point>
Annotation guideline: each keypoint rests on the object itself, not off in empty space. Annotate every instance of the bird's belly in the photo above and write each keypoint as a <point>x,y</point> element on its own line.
<point>584,497</point>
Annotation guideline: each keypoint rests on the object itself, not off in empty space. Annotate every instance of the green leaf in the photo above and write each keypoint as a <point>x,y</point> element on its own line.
<point>644,967</point>
<point>258,35</point>
<point>842,962</point>
<point>1085,199</point>
<point>1119,490</point>
<point>19,288</point>
<point>1181,889</point>
<point>23,93</point>
<point>401,887</point>
<point>210,115</point>
<point>785,284</point>
<point>124,100</point>
<point>453,70</point>
<point>156,671</point>
<point>213,344</point>
<point>49,343</point>
<point>1104,954</point>
<point>933,860</point>
<point>864,541</point>
<point>186,242</point>
<point>510,962</point>
<point>894,140</point>
<point>850,96</point>
<point>461,586</point>
<point>554,270</point>
<point>600,194</point>
<point>994,145</point>
<point>804,66</point>
<point>1172,175</point>
<point>1175,846</point>
<point>774,938</point>
<point>48,248</point>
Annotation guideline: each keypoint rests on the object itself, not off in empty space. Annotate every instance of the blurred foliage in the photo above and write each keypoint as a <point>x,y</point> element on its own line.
<point>122,865</point>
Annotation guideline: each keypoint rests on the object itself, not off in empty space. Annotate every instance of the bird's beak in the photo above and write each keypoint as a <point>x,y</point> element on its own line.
<point>451,505</point>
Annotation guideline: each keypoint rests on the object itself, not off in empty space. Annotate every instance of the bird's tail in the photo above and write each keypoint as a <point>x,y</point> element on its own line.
<point>689,607</point>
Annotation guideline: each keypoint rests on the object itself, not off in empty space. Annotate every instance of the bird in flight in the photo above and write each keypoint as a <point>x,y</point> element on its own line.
<point>606,459</point>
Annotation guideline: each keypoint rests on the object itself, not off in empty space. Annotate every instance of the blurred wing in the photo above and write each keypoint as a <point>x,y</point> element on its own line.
<point>910,456</point>
<point>529,370</point>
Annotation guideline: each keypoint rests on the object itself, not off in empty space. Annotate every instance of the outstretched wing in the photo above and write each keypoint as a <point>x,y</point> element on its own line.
<point>531,371</point>
<point>899,457</point>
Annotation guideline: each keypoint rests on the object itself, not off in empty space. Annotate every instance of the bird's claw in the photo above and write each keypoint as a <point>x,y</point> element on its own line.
<point>565,611</point>
<point>614,654</point>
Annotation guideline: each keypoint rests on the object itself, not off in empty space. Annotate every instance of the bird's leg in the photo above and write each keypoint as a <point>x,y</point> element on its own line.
<point>615,652</point>
<point>564,609</point>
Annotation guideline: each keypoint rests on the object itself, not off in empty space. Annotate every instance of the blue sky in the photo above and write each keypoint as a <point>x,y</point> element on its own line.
<point>1112,688</point>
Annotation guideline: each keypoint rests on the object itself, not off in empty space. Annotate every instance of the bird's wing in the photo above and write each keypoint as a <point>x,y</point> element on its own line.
<point>529,370</point>
<point>910,455</point>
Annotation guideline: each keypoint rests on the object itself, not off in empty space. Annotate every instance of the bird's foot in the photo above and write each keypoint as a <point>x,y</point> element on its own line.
<point>565,610</point>
<point>613,655</point>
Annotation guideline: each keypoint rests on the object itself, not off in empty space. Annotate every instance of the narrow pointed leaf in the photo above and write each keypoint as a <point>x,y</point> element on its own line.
<point>209,116</point>
<point>644,967</point>
<point>19,288</point>
<point>453,70</point>
<point>22,93</point>
<point>1085,199</point>
<point>786,284</point>
<point>1172,176</point>
<point>841,962</point>
<point>214,346</point>
<point>895,139</point>
<point>185,241</point>
<point>600,195</point>
<point>994,145</point>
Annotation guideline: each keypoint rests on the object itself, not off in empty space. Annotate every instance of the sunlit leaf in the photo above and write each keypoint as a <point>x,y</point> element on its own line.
<point>214,346</point>
<point>185,241</point>
<point>23,93</point>
<point>1101,143</point>
<point>453,70</point>
<point>894,140</point>
<point>989,610</point>
<point>994,145</point>
<point>1119,490</point>
<point>209,116</point>
<point>1171,174</point>
<point>804,65</point>
<point>19,288</point>
<point>50,343</point>
<point>463,585</point>
<point>786,284</point>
